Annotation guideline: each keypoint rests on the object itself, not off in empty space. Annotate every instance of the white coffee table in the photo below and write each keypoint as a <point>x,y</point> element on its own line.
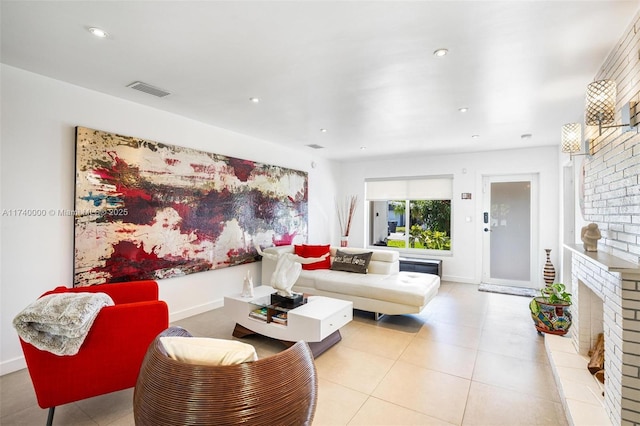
<point>317,322</point>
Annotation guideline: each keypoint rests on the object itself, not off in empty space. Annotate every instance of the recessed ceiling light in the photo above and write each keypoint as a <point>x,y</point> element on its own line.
<point>463,109</point>
<point>475,136</point>
<point>98,32</point>
<point>362,148</point>
<point>440,52</point>
<point>254,100</point>
<point>323,130</point>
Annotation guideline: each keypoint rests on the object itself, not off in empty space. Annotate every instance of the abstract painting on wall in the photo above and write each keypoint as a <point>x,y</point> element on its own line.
<point>147,210</point>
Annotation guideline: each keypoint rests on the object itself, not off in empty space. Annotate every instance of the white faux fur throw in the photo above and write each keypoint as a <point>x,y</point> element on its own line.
<point>59,322</point>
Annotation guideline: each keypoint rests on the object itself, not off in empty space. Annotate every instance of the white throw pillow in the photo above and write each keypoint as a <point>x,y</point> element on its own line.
<point>208,351</point>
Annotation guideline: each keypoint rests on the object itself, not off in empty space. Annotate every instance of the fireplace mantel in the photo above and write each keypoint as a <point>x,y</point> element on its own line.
<point>607,261</point>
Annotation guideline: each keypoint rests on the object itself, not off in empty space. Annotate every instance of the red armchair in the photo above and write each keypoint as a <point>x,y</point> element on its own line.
<point>110,357</point>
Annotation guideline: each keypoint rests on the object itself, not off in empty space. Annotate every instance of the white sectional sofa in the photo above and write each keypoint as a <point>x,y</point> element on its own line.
<point>382,290</point>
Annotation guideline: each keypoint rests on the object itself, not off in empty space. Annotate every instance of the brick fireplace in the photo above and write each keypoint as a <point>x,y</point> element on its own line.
<point>605,189</point>
<point>606,292</point>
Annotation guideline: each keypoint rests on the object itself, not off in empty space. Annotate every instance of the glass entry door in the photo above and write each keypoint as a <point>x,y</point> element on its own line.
<point>509,224</point>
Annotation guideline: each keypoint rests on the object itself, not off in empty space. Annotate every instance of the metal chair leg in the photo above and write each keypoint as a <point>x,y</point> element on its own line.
<point>50,416</point>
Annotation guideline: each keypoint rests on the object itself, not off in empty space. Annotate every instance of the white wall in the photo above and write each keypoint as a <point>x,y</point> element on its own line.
<point>37,172</point>
<point>465,264</point>
<point>39,116</point>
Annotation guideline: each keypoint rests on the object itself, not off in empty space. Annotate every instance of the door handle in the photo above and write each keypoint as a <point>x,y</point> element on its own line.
<point>488,230</point>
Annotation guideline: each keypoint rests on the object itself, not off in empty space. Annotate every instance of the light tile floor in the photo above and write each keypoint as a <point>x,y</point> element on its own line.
<point>470,358</point>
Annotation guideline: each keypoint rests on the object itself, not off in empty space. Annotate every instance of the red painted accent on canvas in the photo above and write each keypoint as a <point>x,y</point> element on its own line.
<point>284,240</point>
<point>242,168</point>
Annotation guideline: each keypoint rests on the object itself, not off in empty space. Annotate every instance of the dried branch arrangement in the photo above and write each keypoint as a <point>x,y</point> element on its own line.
<point>346,209</point>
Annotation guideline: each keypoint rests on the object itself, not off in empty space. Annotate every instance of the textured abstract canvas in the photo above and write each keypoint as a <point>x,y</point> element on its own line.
<point>147,210</point>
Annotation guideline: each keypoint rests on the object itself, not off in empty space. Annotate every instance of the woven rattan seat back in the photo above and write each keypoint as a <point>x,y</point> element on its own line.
<point>278,390</point>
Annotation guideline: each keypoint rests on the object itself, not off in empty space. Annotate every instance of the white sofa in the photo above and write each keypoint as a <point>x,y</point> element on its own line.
<point>382,290</point>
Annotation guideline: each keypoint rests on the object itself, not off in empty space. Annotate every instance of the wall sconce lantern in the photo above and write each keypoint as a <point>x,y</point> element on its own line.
<point>601,103</point>
<point>571,136</point>
<point>601,106</point>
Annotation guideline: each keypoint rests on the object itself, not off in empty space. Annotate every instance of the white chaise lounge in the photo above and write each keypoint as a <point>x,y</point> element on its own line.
<point>382,290</point>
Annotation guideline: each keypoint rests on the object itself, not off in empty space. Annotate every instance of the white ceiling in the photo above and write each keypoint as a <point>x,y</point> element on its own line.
<point>363,70</point>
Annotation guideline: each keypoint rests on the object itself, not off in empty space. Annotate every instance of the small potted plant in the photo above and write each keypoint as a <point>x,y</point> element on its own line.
<point>550,310</point>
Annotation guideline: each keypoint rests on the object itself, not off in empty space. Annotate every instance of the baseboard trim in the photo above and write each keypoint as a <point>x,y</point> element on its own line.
<point>195,310</point>
<point>462,280</point>
<point>12,365</point>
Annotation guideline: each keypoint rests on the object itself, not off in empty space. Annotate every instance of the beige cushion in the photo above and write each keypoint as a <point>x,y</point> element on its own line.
<point>406,288</point>
<point>208,351</point>
<point>378,254</point>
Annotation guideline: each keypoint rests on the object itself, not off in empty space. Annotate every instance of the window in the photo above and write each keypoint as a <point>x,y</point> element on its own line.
<point>410,213</point>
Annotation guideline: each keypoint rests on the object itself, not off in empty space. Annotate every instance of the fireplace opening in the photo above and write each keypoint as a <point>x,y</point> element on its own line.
<point>591,318</point>
<point>589,336</point>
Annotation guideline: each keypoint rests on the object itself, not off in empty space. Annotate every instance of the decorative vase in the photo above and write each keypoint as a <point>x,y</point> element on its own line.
<point>549,270</point>
<point>552,318</point>
<point>344,241</point>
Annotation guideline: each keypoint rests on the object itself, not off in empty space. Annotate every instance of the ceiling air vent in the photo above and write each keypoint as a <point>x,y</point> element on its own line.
<point>146,88</point>
<point>315,146</point>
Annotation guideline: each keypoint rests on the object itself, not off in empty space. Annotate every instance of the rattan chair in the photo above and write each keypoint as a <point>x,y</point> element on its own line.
<point>278,390</point>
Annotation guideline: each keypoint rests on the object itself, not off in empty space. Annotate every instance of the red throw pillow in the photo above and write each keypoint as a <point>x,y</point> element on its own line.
<point>299,250</point>
<point>316,251</point>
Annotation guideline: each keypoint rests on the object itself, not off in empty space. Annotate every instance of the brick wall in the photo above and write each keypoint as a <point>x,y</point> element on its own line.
<point>612,174</point>
<point>612,200</point>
